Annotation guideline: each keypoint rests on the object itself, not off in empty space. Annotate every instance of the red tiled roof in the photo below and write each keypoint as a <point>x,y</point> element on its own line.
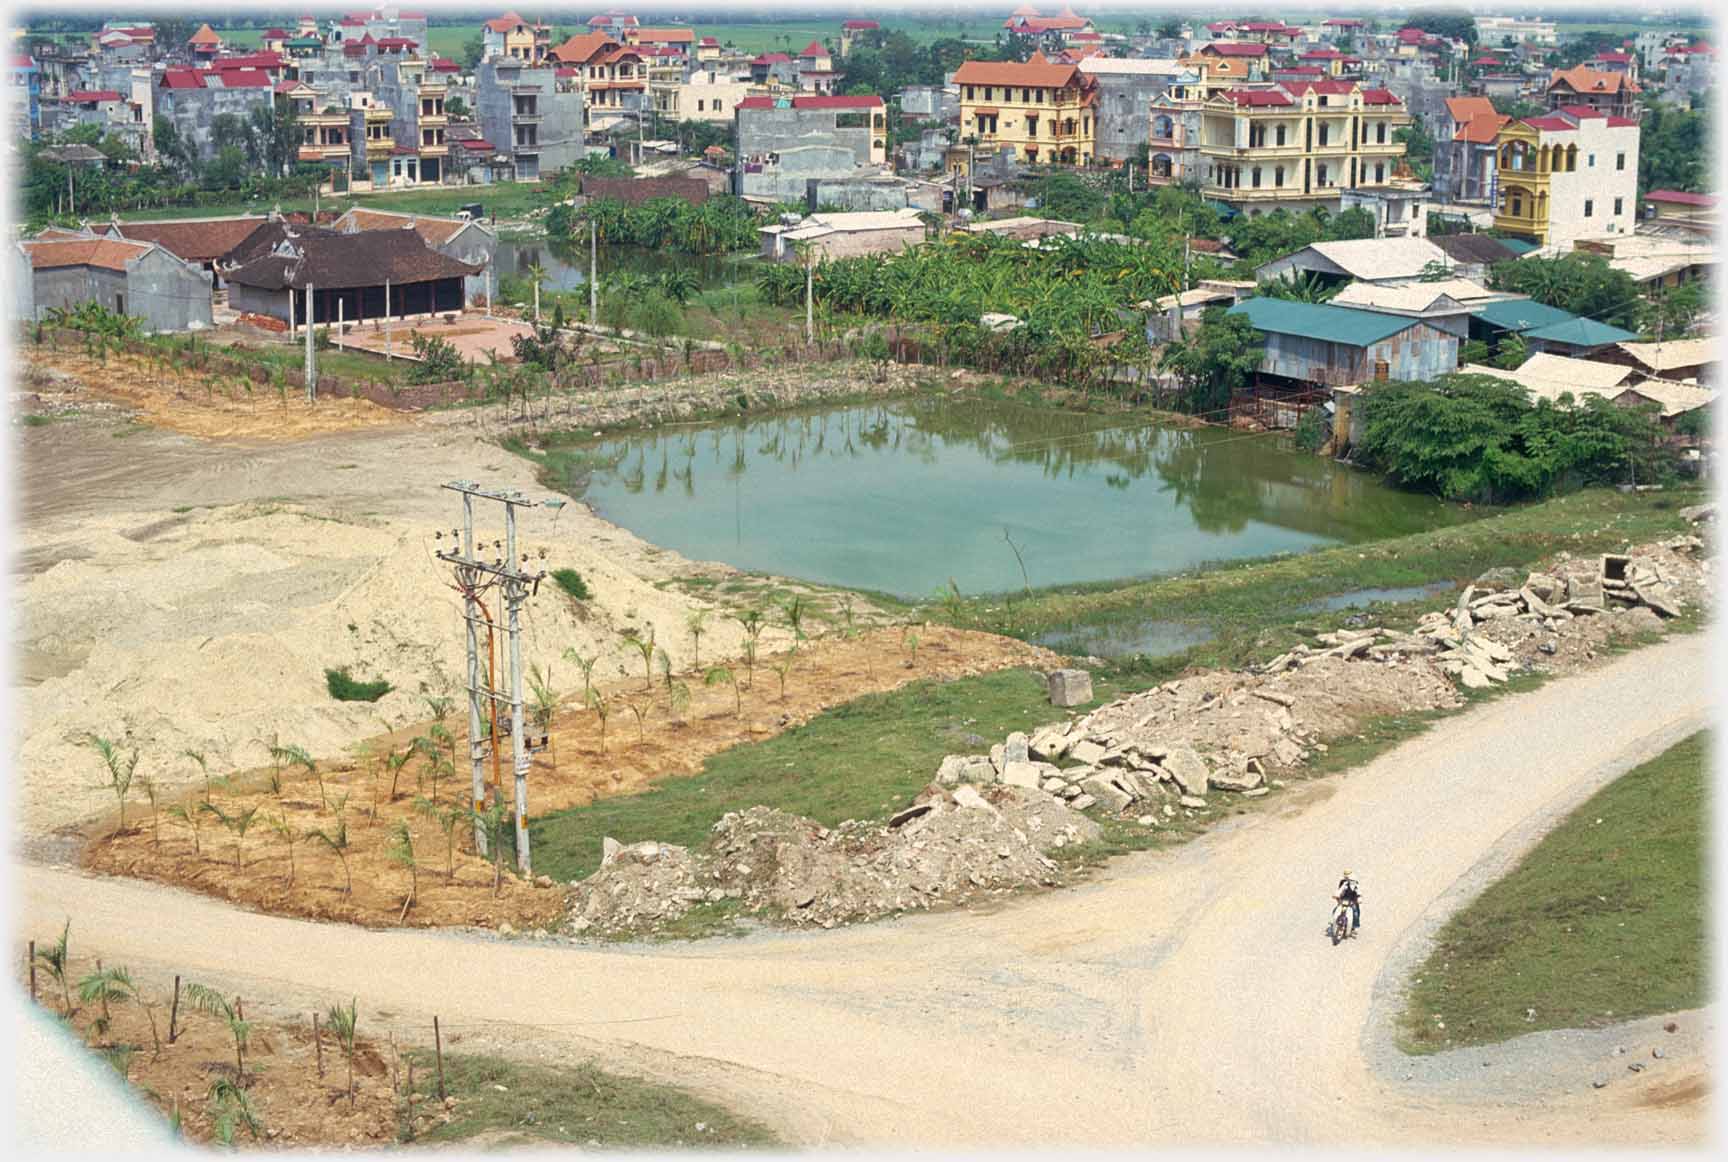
<point>772,58</point>
<point>244,79</point>
<point>1329,88</point>
<point>183,79</point>
<point>1044,23</point>
<point>1552,123</point>
<point>397,42</point>
<point>814,48</point>
<point>205,35</point>
<point>1255,98</point>
<point>708,42</point>
<point>1581,112</point>
<point>1321,54</point>
<point>1619,58</point>
<point>194,241</point>
<point>1622,122</point>
<point>86,96</point>
<point>1681,198</point>
<point>1584,79</point>
<point>582,48</point>
<point>1298,71</point>
<point>1036,72</point>
<point>1481,129</point>
<point>1379,97</point>
<point>503,23</point>
<point>102,252</point>
<point>859,25</point>
<point>250,60</point>
<point>444,64</point>
<point>275,33</point>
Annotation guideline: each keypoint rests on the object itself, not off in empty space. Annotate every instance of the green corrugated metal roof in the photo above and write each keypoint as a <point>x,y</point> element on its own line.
<point>1519,246</point>
<point>1522,315</point>
<point>1347,325</point>
<point>1580,333</point>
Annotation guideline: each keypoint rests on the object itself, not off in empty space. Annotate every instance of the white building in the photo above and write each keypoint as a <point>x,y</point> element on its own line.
<point>1569,173</point>
<point>1494,31</point>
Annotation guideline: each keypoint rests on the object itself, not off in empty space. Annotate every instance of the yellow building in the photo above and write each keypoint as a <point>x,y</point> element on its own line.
<point>1044,111</point>
<point>1298,145</point>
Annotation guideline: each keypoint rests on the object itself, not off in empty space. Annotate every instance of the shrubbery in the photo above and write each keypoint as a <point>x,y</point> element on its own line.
<point>1479,438</point>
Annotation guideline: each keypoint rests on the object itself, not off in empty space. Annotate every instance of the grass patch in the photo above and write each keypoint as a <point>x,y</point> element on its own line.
<point>508,1103</point>
<point>1602,921</point>
<point>345,688</point>
<point>1253,606</point>
<point>570,581</point>
<point>861,760</point>
<point>38,420</point>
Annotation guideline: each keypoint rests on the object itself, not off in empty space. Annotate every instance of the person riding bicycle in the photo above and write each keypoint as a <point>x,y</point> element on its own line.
<point>1350,892</point>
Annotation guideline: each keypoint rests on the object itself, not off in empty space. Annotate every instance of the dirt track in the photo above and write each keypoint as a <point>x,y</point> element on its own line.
<point>1182,997</point>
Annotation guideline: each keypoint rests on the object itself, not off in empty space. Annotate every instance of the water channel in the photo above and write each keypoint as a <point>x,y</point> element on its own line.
<point>901,497</point>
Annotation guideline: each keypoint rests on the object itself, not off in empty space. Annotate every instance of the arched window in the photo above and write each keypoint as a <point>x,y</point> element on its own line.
<point>1542,160</point>
<point>1571,158</point>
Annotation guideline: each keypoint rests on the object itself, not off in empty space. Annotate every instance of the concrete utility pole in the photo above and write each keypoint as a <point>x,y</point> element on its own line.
<point>509,573</point>
<point>593,276</point>
<point>311,372</point>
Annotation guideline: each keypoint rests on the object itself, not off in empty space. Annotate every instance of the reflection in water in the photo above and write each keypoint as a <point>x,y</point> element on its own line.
<point>1124,637</point>
<point>903,496</point>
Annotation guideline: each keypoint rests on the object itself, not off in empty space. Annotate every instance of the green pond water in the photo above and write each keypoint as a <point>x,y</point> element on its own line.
<point>901,497</point>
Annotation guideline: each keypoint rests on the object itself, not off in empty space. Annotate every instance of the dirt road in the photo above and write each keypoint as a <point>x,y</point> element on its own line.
<point>1182,997</point>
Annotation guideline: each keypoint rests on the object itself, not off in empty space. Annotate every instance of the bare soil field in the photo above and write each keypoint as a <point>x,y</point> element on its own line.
<point>186,573</point>
<point>587,758</point>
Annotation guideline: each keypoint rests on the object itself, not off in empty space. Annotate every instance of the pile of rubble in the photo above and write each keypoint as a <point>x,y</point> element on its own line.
<point>947,846</point>
<point>1161,756</point>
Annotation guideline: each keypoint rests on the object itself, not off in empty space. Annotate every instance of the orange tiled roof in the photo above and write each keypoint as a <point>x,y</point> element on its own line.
<point>103,252</point>
<point>1584,79</point>
<point>581,48</point>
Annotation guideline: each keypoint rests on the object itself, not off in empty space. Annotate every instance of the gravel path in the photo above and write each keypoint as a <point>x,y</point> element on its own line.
<point>1187,996</point>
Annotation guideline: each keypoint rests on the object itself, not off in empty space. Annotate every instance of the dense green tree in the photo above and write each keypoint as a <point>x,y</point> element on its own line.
<point>1450,23</point>
<point>1478,437</point>
<point>1214,362</point>
<point>1579,282</point>
<point>1673,148</point>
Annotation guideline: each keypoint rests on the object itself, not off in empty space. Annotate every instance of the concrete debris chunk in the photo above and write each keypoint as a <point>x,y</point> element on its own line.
<point>1017,749</point>
<point>1070,687</point>
<point>1188,769</point>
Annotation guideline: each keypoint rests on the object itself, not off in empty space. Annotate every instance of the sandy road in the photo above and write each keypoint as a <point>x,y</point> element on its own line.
<point>1182,997</point>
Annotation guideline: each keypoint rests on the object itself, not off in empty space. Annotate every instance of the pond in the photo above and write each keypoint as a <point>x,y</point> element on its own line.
<point>566,267</point>
<point>903,497</point>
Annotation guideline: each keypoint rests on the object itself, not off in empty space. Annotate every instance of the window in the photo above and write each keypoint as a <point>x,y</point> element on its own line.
<point>1325,132</point>
<point>1379,171</point>
<point>1380,134</point>
<point>1038,96</point>
<point>699,106</point>
<point>969,93</point>
<point>1255,181</point>
<point>1279,136</point>
<point>1619,163</point>
<point>1590,162</point>
<point>1320,175</point>
<point>1278,176</point>
<point>1619,206</point>
<point>1517,206</point>
<point>1589,207</point>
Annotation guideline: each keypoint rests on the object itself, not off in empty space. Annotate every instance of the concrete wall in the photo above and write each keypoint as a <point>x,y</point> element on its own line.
<point>192,110</point>
<point>562,138</point>
<point>929,103</point>
<point>789,180</point>
<point>250,300</point>
<point>764,131</point>
<point>1124,112</point>
<point>159,289</point>
<point>854,194</point>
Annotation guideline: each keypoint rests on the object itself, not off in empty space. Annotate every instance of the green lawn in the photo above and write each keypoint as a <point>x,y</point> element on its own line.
<point>1603,921</point>
<point>861,760</point>
<point>512,1104</point>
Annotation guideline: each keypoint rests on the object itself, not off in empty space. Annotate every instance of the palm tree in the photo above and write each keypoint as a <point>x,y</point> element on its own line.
<point>586,665</point>
<point>119,772</point>
<point>290,835</point>
<point>719,674</point>
<point>401,851</point>
<point>696,624</point>
<point>336,839</point>
<point>342,1022</point>
<point>54,959</point>
<point>645,647</point>
<point>597,703</point>
<point>207,1000</point>
<point>446,818</point>
<point>239,823</point>
<point>189,817</point>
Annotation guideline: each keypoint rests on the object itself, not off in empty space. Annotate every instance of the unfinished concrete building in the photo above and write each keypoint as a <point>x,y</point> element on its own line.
<point>531,115</point>
<point>785,142</point>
